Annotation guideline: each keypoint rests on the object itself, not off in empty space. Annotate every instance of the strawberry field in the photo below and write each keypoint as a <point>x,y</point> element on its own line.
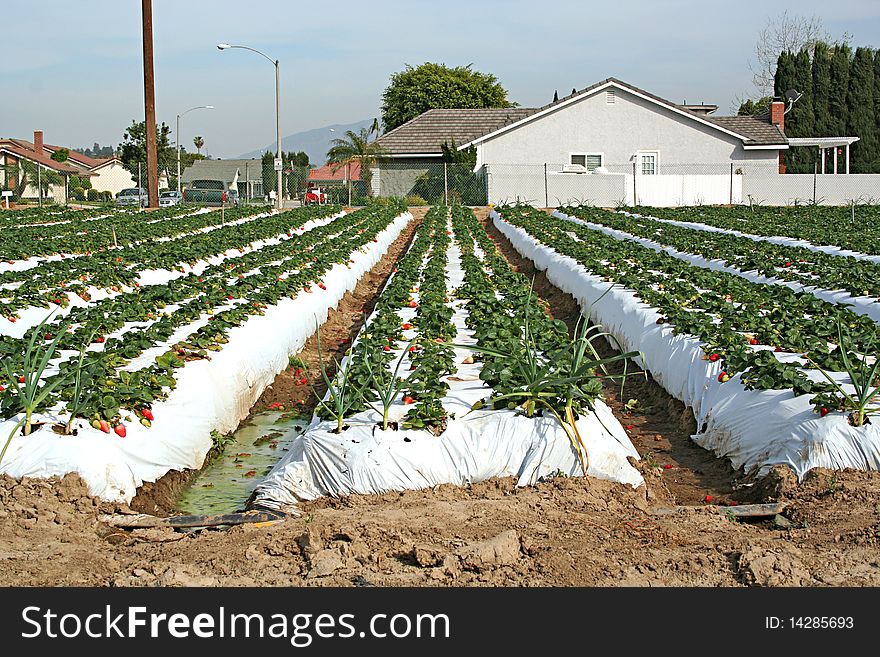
<point>460,374</point>
<point>160,328</point>
<point>773,374</point>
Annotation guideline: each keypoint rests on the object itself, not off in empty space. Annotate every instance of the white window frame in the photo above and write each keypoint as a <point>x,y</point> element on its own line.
<point>586,155</point>
<point>640,155</point>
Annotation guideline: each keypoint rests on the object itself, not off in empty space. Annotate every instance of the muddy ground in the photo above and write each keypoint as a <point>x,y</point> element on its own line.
<point>561,532</point>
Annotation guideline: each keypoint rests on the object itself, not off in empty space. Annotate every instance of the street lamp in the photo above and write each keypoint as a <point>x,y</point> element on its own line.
<point>278,162</point>
<point>177,134</point>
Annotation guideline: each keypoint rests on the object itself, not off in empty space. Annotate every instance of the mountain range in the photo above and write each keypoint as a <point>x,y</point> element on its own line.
<point>315,142</point>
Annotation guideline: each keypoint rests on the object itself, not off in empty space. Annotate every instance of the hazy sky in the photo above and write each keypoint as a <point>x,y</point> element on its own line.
<point>74,68</point>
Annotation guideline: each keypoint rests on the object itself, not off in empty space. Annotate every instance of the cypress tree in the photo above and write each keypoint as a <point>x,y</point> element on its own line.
<point>821,89</point>
<point>784,78</point>
<point>876,168</point>
<point>800,121</point>
<point>861,121</point>
<point>840,59</point>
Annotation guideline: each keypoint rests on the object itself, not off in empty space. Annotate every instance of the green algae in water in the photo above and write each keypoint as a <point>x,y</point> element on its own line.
<point>228,481</point>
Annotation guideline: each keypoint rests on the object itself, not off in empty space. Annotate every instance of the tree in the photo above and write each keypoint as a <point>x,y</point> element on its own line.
<point>198,142</point>
<point>861,120</point>
<point>821,89</point>
<point>270,177</point>
<point>456,175</point>
<point>61,155</point>
<point>133,149</point>
<point>429,86</point>
<point>758,107</point>
<point>357,146</point>
<point>840,65</point>
<point>783,33</point>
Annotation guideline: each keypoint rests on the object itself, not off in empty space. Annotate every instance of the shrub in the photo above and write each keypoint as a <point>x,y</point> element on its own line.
<point>78,194</point>
<point>415,200</point>
<point>106,196</point>
<point>93,194</point>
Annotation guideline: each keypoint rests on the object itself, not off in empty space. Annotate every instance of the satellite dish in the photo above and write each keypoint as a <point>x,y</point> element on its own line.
<point>792,95</point>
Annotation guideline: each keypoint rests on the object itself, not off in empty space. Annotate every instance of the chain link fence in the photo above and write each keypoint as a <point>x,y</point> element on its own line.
<point>430,183</point>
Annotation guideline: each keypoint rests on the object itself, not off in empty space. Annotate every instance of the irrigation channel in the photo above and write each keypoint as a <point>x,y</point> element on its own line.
<point>226,483</point>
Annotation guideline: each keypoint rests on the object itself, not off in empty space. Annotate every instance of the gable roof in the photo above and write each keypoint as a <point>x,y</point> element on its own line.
<point>224,170</point>
<point>424,134</point>
<point>327,174</point>
<point>753,131</point>
<point>12,147</point>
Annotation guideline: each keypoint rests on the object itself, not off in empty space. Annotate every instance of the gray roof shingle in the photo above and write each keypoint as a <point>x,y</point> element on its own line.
<point>425,133</point>
<point>757,129</point>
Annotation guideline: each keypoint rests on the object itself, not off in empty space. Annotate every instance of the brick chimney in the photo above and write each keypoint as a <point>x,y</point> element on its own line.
<point>38,142</point>
<point>777,117</point>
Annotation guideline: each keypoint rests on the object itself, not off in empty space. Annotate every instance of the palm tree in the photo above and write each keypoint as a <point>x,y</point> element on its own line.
<point>198,142</point>
<point>357,146</point>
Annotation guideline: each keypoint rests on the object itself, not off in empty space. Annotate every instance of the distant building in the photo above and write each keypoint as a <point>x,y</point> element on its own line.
<point>245,176</point>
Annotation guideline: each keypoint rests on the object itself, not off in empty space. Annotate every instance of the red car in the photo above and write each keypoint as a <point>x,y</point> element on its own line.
<point>315,195</point>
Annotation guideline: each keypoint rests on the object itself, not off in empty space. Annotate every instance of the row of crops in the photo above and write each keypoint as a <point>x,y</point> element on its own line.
<point>168,335</point>
<point>855,228</point>
<point>459,374</point>
<point>772,374</point>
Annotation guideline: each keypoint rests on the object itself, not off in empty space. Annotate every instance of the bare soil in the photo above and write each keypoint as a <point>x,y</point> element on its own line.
<point>561,532</point>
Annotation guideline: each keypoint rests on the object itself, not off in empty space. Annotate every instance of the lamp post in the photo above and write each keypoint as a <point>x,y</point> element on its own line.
<point>177,134</point>
<point>278,162</point>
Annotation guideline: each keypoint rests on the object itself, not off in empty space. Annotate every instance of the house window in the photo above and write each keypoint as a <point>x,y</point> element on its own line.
<point>647,163</point>
<point>590,161</point>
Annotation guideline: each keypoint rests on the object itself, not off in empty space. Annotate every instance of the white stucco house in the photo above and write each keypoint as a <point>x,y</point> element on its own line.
<point>610,142</point>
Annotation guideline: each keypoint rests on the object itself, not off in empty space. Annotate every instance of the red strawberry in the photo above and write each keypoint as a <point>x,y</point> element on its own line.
<point>407,326</point>
<point>708,498</point>
<point>667,467</point>
<point>322,286</point>
<point>307,289</point>
<point>787,263</point>
<point>413,304</point>
<point>229,297</point>
<point>104,426</point>
<point>12,319</point>
<point>408,400</point>
<point>21,379</point>
<point>2,388</point>
<point>303,381</point>
<point>48,336</point>
<point>147,413</point>
<point>753,341</point>
<point>99,339</point>
<point>723,377</point>
<point>119,429</point>
<point>413,348</point>
<point>714,357</point>
<point>778,349</point>
<point>438,340</point>
<point>386,348</point>
<point>629,427</point>
<point>57,300</point>
<point>823,411</point>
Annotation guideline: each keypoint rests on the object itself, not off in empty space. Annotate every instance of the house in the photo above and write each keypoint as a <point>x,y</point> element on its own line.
<point>246,176</point>
<point>336,174</point>
<point>104,174</point>
<point>19,155</point>
<point>651,150</point>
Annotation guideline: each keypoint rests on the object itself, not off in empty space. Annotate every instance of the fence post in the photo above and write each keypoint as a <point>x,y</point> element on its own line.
<point>635,194</point>
<point>815,171</point>
<point>546,192</point>
<point>348,181</point>
<point>731,183</point>
<point>445,186</point>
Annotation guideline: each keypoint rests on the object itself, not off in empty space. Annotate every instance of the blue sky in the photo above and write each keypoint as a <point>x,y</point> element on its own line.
<point>74,69</point>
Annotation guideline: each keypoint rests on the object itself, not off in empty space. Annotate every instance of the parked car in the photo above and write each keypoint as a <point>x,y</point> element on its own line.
<point>210,192</point>
<point>132,196</point>
<point>315,195</point>
<point>169,198</point>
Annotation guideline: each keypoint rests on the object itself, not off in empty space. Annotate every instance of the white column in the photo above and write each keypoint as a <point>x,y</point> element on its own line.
<point>835,160</point>
<point>847,158</point>
<point>822,155</point>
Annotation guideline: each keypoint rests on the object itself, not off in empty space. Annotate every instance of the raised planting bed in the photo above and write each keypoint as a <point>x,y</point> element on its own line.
<point>853,229</point>
<point>744,356</point>
<point>165,363</point>
<point>430,391</point>
<point>834,278</point>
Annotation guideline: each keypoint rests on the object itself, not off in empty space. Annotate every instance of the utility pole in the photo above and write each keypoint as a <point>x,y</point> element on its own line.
<point>150,105</point>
